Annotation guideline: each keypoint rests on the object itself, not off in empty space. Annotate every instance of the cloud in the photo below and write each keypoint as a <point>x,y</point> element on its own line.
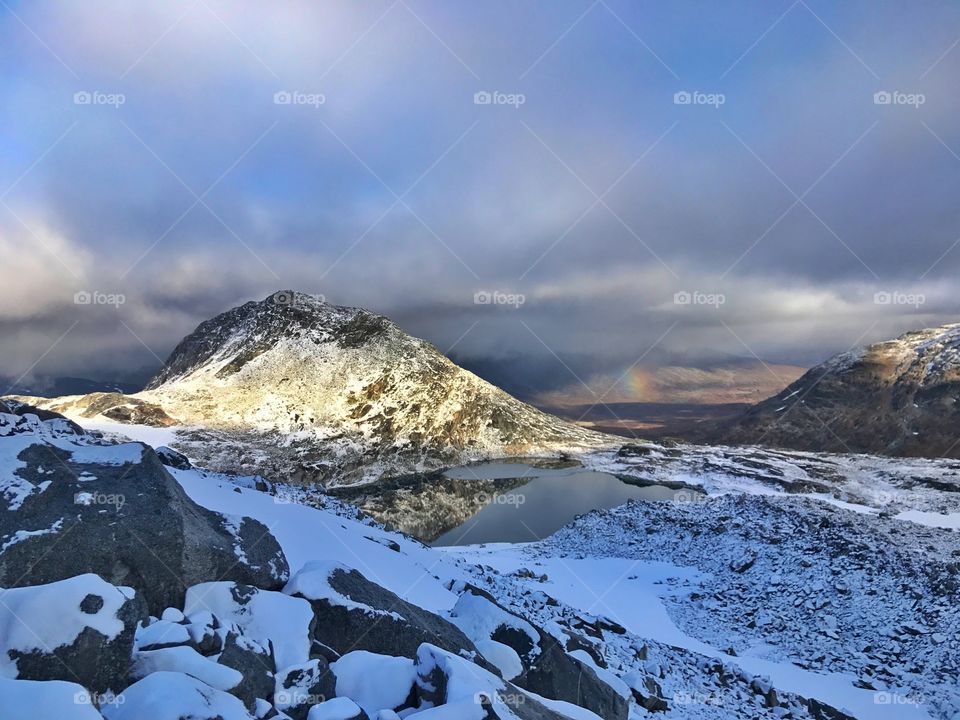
<point>598,198</point>
<point>41,270</point>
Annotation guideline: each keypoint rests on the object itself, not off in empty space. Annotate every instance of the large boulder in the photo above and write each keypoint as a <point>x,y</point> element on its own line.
<point>175,696</point>
<point>547,668</point>
<point>79,630</point>
<point>300,687</point>
<point>214,651</point>
<point>43,700</point>
<point>254,664</point>
<point>353,613</point>
<point>337,709</point>
<point>461,687</point>
<point>271,619</point>
<point>376,682</point>
<point>72,504</point>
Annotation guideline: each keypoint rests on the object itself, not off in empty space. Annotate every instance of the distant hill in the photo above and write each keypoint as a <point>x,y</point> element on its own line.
<point>898,397</point>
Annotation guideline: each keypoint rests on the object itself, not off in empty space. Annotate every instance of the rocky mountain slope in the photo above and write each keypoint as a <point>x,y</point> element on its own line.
<point>292,387</point>
<point>122,596</point>
<point>898,397</point>
<point>236,604</point>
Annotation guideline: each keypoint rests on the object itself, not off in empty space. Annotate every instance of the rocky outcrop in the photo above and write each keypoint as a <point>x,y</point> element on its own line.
<point>353,613</point>
<point>76,505</point>
<point>300,687</point>
<point>447,679</point>
<point>365,399</point>
<point>893,398</point>
<point>547,668</point>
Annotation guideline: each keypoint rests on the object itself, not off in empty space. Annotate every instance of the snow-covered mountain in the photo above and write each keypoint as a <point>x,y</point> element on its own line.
<point>899,397</point>
<point>295,388</point>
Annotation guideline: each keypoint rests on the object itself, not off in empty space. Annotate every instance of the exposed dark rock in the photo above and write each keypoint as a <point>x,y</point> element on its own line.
<point>548,669</point>
<point>98,661</point>
<point>303,686</point>
<point>172,458</point>
<point>256,666</point>
<point>391,626</point>
<point>129,522</point>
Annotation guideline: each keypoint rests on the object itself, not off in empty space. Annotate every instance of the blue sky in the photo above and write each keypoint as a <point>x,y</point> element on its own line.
<point>182,185</point>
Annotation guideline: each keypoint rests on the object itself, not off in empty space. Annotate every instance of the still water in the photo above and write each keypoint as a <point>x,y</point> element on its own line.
<point>537,509</point>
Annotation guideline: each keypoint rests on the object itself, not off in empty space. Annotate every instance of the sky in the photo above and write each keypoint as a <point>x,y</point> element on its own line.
<point>564,189</point>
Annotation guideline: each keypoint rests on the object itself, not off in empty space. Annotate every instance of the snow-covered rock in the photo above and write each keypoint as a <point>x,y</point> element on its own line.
<point>546,668</point>
<point>77,629</point>
<point>337,709</point>
<point>300,687</point>
<point>375,682</point>
<point>354,613</point>
<point>175,696</point>
<point>270,618</point>
<point>54,699</point>
<point>123,516</point>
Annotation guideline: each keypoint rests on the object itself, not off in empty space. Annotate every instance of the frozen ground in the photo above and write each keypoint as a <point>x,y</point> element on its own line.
<point>829,578</point>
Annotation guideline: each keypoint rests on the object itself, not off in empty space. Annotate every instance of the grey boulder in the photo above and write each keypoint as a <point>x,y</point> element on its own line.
<point>81,506</point>
<point>80,630</point>
<point>353,613</point>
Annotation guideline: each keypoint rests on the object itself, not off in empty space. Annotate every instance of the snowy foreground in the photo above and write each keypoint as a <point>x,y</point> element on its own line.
<point>751,603</point>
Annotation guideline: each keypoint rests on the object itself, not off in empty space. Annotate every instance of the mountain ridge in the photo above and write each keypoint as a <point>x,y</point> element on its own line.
<point>895,397</point>
<point>293,386</point>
